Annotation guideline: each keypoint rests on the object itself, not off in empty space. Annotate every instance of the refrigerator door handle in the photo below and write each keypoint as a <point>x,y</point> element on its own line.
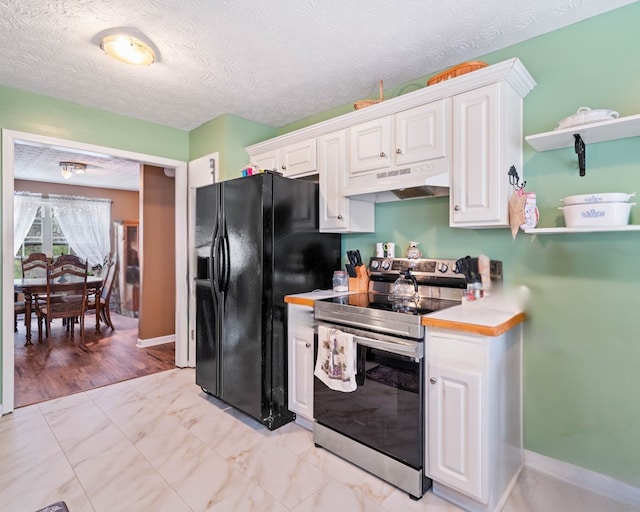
<point>225,276</point>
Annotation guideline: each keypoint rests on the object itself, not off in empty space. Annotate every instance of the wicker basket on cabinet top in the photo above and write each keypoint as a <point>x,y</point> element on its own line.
<point>460,69</point>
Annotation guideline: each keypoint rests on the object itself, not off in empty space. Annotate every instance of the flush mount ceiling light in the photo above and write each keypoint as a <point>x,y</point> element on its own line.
<point>128,49</point>
<point>67,169</point>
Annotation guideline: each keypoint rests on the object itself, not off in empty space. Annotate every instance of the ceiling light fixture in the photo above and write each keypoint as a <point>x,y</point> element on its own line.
<point>128,49</point>
<point>68,169</point>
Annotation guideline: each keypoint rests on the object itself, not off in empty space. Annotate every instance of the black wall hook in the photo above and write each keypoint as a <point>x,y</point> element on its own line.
<point>514,179</point>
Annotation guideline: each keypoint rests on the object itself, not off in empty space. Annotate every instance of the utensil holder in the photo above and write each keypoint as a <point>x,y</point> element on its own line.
<point>360,283</point>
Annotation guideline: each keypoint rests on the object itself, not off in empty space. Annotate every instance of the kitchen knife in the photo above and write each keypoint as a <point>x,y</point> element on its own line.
<point>351,271</point>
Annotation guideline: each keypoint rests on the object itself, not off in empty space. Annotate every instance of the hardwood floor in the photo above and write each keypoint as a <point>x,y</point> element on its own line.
<point>44,371</point>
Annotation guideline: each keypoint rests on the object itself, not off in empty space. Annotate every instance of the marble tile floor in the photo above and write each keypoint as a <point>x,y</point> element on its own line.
<point>157,443</point>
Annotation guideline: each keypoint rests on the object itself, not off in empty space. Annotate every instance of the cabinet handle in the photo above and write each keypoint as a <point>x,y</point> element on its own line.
<point>433,380</point>
<point>339,217</point>
<point>382,154</point>
<point>456,208</point>
<point>398,151</point>
<point>308,345</point>
<point>284,167</point>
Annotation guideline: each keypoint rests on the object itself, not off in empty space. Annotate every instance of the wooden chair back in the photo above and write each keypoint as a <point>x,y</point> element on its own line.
<point>66,276</point>
<point>35,265</point>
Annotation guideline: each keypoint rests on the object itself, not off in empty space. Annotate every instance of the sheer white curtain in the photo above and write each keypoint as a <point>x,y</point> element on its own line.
<point>25,207</point>
<point>85,223</point>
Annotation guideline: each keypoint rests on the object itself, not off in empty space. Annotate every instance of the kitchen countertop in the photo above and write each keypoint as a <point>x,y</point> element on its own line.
<point>309,298</point>
<point>490,316</point>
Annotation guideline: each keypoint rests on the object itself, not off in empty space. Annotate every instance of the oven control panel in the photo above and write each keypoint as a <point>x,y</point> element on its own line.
<point>425,270</point>
<point>422,267</point>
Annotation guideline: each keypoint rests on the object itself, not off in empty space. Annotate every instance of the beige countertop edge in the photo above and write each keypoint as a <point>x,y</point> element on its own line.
<point>485,330</point>
<point>309,298</point>
<point>300,301</point>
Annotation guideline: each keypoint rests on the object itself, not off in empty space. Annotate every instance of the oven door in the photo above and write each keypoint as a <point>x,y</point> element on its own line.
<point>385,412</point>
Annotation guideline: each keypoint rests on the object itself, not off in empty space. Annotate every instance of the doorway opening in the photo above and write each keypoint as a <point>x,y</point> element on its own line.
<point>9,139</point>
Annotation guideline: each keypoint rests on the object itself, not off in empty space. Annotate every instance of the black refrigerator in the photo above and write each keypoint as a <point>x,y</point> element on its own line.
<point>257,240</point>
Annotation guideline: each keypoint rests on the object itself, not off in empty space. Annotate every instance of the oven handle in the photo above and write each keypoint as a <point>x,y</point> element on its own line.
<point>415,351</point>
<point>412,349</point>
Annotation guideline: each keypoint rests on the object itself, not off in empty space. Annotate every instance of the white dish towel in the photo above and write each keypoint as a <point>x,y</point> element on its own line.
<point>336,361</point>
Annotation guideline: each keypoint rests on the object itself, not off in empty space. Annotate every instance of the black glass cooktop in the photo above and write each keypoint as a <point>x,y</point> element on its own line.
<point>381,301</point>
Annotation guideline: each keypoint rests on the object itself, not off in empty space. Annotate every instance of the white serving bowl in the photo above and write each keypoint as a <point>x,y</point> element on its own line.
<point>606,197</point>
<point>601,214</point>
<point>585,115</point>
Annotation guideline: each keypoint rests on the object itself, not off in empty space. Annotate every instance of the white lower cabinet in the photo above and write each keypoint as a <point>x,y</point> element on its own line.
<point>474,425</point>
<point>300,367</point>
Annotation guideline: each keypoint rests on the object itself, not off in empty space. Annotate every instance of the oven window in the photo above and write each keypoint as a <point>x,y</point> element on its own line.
<point>385,411</point>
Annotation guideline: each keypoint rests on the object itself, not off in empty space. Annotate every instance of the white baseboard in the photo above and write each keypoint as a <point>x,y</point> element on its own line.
<point>169,338</point>
<point>585,478</point>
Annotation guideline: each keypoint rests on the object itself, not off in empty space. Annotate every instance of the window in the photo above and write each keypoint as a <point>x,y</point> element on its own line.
<point>60,224</point>
<point>44,235</point>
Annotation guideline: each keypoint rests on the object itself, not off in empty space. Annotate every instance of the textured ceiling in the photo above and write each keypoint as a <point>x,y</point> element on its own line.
<point>269,61</point>
<point>36,162</point>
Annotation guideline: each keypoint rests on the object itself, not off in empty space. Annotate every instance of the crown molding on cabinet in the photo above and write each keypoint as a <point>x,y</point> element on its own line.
<point>511,71</point>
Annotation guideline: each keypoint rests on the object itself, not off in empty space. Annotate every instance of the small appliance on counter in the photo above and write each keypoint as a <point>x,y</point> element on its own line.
<point>413,252</point>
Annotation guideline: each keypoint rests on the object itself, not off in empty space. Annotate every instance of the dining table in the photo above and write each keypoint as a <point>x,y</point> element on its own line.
<point>34,286</point>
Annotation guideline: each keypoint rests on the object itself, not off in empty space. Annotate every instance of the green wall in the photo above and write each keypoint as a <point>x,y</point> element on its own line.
<point>228,135</point>
<point>582,349</point>
<point>581,354</point>
<point>41,115</point>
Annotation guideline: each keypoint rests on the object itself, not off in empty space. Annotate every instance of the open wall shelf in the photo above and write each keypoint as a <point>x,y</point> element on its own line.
<point>590,229</point>
<point>601,131</point>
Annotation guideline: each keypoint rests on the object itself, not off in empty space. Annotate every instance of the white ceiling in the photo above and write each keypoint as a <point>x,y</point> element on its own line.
<point>269,61</point>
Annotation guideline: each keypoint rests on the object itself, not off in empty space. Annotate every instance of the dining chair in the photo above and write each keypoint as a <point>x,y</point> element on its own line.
<point>34,266</point>
<point>66,279</point>
<point>99,302</point>
<point>18,308</point>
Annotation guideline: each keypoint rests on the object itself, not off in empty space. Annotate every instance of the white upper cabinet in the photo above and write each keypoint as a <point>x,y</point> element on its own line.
<point>269,160</point>
<point>415,135</point>
<point>337,212</point>
<point>458,137</point>
<point>370,146</point>
<point>487,141</point>
<point>421,133</point>
<point>293,160</point>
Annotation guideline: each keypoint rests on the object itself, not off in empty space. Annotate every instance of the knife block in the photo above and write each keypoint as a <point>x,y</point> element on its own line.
<point>360,283</point>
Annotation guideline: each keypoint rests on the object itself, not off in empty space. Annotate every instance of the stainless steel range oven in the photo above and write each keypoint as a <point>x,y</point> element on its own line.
<point>380,425</point>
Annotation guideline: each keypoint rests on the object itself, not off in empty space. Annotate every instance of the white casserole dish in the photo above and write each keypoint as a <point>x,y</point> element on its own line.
<point>585,115</point>
<point>606,197</point>
<point>602,214</point>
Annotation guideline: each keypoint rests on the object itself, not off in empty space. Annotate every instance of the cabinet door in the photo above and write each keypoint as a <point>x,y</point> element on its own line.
<point>476,170</point>
<point>421,133</point>
<point>339,214</point>
<point>269,160</point>
<point>299,159</point>
<point>332,168</point>
<point>300,378</point>
<point>455,428</point>
<point>370,145</point>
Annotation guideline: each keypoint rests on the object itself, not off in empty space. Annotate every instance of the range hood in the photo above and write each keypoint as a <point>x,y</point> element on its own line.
<point>427,180</point>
